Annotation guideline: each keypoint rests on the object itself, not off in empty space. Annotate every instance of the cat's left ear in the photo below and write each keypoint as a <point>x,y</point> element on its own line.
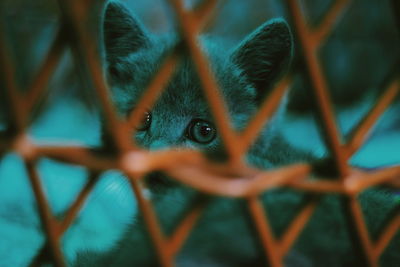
<point>264,55</point>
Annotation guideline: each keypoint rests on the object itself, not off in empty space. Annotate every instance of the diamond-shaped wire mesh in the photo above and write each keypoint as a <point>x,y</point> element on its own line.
<point>191,167</point>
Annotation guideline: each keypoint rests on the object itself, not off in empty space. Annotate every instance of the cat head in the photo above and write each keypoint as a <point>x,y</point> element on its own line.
<point>181,116</point>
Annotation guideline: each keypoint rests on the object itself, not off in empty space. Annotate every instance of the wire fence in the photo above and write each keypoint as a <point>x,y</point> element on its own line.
<point>191,167</point>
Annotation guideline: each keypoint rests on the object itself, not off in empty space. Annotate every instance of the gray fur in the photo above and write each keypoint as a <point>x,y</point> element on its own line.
<point>245,75</point>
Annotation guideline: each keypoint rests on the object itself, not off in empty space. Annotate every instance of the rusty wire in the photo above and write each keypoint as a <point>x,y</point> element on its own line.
<point>190,167</point>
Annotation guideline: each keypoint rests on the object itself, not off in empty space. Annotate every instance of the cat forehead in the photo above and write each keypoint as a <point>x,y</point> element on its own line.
<point>184,91</point>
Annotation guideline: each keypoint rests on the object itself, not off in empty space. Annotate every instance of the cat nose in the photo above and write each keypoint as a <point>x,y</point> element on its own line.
<point>158,145</point>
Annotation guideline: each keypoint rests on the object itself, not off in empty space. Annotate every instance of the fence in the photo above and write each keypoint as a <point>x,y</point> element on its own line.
<point>191,167</point>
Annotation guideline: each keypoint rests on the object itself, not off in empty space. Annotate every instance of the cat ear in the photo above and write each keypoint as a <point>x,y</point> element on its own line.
<point>264,55</point>
<point>122,34</point>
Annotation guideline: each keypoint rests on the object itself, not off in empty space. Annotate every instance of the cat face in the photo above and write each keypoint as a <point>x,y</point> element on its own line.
<point>181,116</point>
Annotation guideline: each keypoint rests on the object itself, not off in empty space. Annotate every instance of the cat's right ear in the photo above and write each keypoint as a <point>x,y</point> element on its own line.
<point>264,55</point>
<point>122,33</point>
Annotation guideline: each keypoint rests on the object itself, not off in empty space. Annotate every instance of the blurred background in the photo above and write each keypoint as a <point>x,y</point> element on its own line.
<point>357,58</point>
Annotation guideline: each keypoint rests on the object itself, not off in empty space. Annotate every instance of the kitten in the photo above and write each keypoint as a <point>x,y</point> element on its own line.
<point>245,75</point>
<point>181,118</point>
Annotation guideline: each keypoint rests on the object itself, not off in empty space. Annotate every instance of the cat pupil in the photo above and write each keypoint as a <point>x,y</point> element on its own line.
<point>145,123</point>
<point>205,130</point>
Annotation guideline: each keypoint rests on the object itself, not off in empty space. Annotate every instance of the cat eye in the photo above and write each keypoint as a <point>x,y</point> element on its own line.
<point>145,122</point>
<point>201,131</point>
